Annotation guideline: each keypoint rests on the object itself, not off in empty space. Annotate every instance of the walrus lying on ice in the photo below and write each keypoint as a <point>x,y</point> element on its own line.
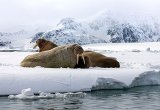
<point>92,59</point>
<point>62,56</point>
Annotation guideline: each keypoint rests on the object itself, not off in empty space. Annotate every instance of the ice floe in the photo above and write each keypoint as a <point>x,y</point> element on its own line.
<point>137,69</point>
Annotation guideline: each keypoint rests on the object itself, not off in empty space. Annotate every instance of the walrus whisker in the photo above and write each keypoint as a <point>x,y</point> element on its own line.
<point>83,58</point>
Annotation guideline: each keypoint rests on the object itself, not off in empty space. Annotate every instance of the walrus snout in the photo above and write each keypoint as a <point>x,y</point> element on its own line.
<point>78,55</point>
<point>36,43</point>
<point>39,42</point>
<point>78,51</point>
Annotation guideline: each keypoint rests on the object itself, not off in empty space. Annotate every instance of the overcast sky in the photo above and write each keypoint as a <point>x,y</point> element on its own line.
<point>30,12</point>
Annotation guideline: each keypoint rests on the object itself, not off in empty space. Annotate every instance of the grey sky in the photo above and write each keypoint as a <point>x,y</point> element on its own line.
<point>31,12</point>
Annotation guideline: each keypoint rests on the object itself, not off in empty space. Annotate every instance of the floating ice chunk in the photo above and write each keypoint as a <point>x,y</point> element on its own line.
<point>59,95</point>
<point>43,95</point>
<point>22,97</point>
<point>77,94</point>
<point>108,83</point>
<point>27,94</point>
<point>149,78</point>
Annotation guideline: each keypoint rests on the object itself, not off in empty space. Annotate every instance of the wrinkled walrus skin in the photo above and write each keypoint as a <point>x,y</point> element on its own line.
<point>62,56</point>
<point>93,59</point>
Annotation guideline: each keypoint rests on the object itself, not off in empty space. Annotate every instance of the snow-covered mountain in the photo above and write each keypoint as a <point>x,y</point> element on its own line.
<point>102,29</point>
<point>69,31</point>
<point>20,39</point>
<point>14,40</point>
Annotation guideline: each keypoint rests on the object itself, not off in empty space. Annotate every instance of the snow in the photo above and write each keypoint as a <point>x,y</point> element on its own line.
<point>139,67</point>
<point>125,47</point>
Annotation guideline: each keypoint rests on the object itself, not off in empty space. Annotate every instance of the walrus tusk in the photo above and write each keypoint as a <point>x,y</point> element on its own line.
<point>83,58</point>
<point>35,46</point>
<point>77,58</point>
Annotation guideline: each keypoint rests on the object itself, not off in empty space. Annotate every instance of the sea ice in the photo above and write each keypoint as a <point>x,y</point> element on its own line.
<point>27,94</point>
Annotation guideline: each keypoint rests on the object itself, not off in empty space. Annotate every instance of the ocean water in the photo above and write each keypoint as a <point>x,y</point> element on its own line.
<point>140,98</point>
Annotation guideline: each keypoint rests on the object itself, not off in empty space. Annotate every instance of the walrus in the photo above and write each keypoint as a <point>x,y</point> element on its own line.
<point>92,59</point>
<point>98,60</point>
<point>62,56</point>
<point>44,45</point>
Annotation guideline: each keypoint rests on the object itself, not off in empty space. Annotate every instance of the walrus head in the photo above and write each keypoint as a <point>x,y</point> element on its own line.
<point>44,44</point>
<point>39,43</point>
<point>78,51</point>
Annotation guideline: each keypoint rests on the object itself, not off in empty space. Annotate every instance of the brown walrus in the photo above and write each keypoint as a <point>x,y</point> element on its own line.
<point>44,45</point>
<point>62,56</point>
<point>99,60</point>
<point>92,59</point>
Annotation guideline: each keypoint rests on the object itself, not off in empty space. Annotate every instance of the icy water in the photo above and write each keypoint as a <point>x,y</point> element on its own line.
<point>141,98</point>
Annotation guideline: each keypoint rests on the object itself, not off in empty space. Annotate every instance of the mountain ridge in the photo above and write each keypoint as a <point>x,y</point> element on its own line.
<point>103,28</point>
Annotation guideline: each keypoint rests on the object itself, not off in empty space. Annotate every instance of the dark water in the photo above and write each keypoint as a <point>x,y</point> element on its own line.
<point>141,98</point>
